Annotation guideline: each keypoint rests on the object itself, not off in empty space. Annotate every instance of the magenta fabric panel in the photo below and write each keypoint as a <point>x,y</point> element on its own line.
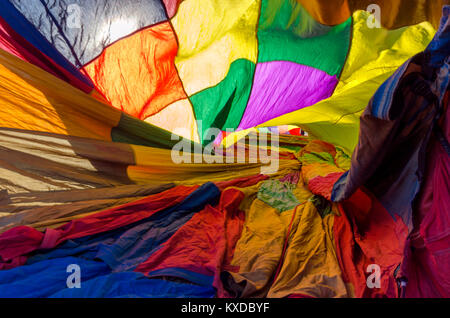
<point>281,87</point>
<point>429,245</point>
<point>171,7</point>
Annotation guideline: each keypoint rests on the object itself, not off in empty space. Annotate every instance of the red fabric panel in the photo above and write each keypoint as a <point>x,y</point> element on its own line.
<point>324,185</point>
<point>137,74</point>
<point>15,44</point>
<point>205,244</point>
<point>366,234</point>
<point>242,182</point>
<point>296,132</point>
<point>16,243</point>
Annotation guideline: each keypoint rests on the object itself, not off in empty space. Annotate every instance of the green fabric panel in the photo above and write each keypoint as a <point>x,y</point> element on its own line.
<point>322,205</point>
<point>317,157</point>
<point>137,132</point>
<point>278,195</point>
<point>223,105</point>
<point>287,32</point>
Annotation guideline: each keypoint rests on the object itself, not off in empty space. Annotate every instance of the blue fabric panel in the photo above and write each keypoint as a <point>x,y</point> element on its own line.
<point>439,48</point>
<point>193,277</point>
<point>135,285</point>
<point>124,249</point>
<point>25,29</point>
<point>46,278</point>
<point>82,29</point>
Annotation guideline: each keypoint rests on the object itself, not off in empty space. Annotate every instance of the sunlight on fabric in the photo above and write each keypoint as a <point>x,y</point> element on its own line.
<point>119,28</point>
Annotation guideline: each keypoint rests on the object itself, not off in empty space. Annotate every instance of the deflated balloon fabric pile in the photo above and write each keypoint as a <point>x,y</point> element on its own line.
<point>93,94</point>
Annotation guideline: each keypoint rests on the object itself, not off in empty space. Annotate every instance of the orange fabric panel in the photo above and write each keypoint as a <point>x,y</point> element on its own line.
<point>33,99</point>
<point>137,74</point>
<point>178,118</point>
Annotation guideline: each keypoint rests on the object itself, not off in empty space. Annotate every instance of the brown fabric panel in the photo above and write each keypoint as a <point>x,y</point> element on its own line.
<point>46,177</point>
<point>42,209</point>
<point>394,13</point>
<point>326,11</point>
<point>399,13</point>
<point>48,214</point>
<point>34,162</point>
<point>24,201</point>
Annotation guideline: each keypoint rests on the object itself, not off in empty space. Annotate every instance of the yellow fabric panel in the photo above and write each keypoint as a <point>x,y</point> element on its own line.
<point>250,194</point>
<point>379,52</point>
<point>260,247</point>
<point>33,99</point>
<point>310,266</point>
<point>259,250</point>
<point>319,169</point>
<point>302,192</point>
<point>313,164</point>
<point>375,54</point>
<point>234,137</point>
<point>155,166</point>
<point>342,159</point>
<point>178,115</point>
<point>212,34</point>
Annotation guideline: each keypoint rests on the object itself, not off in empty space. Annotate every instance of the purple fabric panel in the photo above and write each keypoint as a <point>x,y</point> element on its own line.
<point>281,87</point>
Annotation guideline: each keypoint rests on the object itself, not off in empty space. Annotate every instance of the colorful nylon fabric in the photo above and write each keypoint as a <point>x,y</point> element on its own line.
<point>99,99</point>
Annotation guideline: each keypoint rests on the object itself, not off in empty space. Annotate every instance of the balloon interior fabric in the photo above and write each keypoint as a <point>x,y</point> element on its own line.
<point>239,148</point>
